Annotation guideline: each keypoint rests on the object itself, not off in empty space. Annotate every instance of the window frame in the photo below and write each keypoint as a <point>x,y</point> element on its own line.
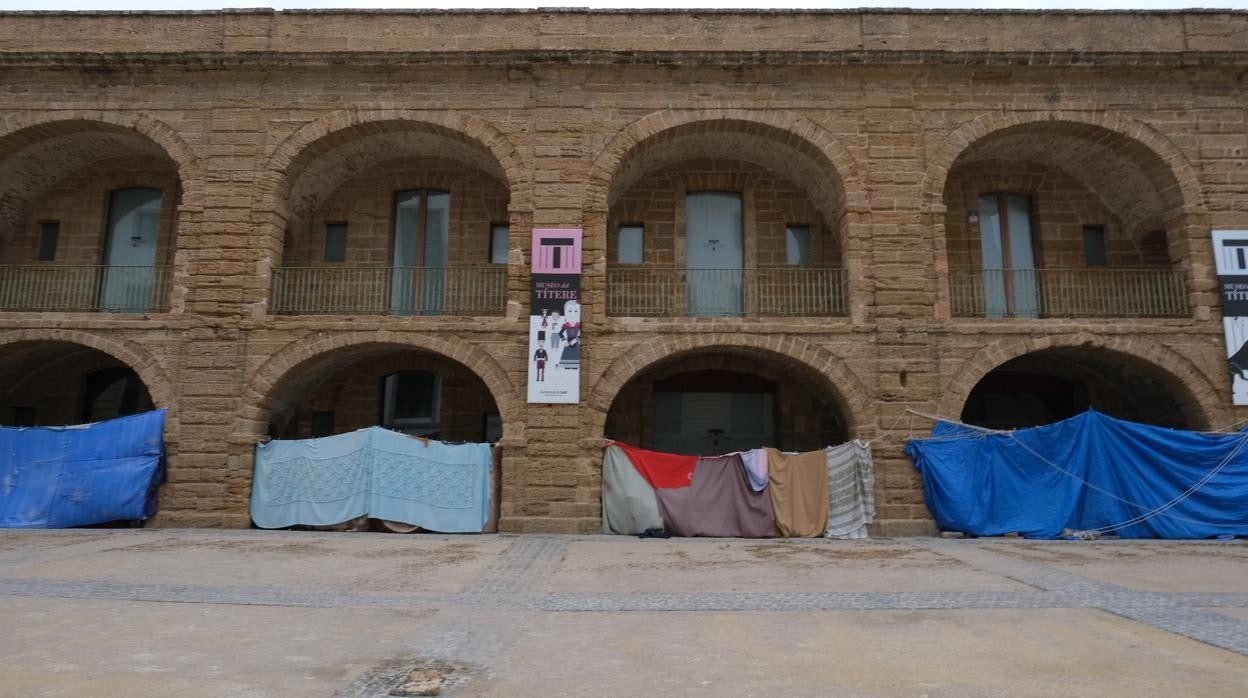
<point>1103,250</point>
<point>418,425</point>
<point>494,228</point>
<point>810,253</point>
<point>43,236</point>
<point>346,231</point>
<point>641,243</point>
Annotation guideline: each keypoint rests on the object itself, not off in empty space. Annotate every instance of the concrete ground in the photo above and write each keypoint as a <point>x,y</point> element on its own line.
<point>258,613</point>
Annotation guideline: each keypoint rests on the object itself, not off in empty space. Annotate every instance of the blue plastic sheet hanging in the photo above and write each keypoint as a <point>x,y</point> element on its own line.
<point>1087,473</point>
<point>58,477</point>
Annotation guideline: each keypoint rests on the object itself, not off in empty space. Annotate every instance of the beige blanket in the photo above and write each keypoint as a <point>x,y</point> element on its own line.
<point>799,492</point>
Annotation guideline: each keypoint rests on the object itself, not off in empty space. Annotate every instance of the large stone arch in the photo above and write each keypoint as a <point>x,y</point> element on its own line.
<point>21,131</point>
<point>829,371</point>
<point>162,390</point>
<point>282,369</point>
<point>1103,124</point>
<point>1200,398</point>
<point>1132,169</point>
<point>309,142</point>
<point>787,144</point>
<point>792,130</point>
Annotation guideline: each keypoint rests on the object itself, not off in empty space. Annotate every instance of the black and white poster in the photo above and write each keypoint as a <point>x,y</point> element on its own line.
<point>555,337</point>
<point>1230,253</point>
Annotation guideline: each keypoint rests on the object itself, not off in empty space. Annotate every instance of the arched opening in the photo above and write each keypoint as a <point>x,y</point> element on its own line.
<point>1054,384</point>
<point>721,400</point>
<point>1063,219</point>
<point>395,217</point>
<point>408,390</point>
<point>416,392</point>
<point>52,383</point>
<point>88,219</point>
<point>725,218</point>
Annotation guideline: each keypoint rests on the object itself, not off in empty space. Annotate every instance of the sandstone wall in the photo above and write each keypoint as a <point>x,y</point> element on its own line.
<point>876,128</point>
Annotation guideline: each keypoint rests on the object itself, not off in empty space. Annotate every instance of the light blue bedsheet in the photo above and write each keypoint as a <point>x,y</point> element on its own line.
<point>372,472</point>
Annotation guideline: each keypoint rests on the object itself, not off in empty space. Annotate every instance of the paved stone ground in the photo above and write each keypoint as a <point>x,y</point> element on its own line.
<point>259,613</point>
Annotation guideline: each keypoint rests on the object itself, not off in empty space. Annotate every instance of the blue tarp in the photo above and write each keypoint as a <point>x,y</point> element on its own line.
<point>990,484</point>
<point>372,472</point>
<point>56,477</point>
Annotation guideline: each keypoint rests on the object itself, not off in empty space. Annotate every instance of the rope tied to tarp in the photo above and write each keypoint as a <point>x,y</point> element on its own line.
<point>1159,510</point>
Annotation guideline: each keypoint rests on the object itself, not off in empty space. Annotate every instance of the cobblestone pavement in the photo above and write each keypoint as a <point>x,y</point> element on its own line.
<point>252,613</point>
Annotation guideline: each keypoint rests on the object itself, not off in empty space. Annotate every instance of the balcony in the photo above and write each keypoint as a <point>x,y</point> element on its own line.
<point>338,290</point>
<point>1085,293</point>
<point>779,291</point>
<point>84,288</point>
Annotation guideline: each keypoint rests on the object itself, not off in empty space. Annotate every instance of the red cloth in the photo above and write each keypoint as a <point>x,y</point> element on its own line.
<point>661,470</point>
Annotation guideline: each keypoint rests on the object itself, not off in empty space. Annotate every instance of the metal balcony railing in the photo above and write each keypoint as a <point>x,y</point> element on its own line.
<point>84,288</point>
<point>774,291</point>
<point>338,290</point>
<point>1090,292</point>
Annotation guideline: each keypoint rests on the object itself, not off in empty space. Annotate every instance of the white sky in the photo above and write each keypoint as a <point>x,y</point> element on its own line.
<point>427,4</point>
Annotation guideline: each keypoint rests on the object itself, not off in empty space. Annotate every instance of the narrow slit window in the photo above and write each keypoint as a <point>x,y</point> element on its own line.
<point>1094,253</point>
<point>500,241</point>
<point>336,242</point>
<point>797,245</point>
<point>631,244</point>
<point>49,237</point>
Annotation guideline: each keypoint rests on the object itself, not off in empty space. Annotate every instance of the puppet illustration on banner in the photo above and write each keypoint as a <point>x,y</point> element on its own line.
<point>555,317</point>
<point>1230,253</point>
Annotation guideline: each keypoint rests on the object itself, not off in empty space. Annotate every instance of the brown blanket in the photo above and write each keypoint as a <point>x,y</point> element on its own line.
<point>719,503</point>
<point>798,484</point>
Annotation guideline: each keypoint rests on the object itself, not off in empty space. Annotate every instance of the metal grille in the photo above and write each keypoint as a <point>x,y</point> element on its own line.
<point>84,288</point>
<point>476,290</point>
<point>1096,292</point>
<point>772,291</point>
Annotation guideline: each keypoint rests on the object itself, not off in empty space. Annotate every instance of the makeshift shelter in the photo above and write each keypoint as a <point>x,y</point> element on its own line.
<point>1089,473</point>
<point>761,493</point>
<point>58,477</point>
<point>372,472</point>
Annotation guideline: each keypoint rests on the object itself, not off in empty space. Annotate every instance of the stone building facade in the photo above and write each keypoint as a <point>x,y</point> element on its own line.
<point>296,223</point>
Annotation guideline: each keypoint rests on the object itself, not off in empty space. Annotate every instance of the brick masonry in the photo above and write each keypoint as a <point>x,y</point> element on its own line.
<point>875,128</point>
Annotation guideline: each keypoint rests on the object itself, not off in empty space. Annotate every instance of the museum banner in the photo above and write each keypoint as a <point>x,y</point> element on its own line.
<point>554,356</point>
<point>1230,253</point>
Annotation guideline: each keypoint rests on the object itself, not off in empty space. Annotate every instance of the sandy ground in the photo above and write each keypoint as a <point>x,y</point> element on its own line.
<point>251,614</point>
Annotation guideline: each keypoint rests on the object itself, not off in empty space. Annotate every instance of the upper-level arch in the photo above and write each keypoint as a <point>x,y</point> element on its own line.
<point>786,143</point>
<point>724,212</point>
<point>312,161</point>
<point>91,204</point>
<point>392,211</point>
<point>1063,214</point>
<point>1099,148</point>
<point>37,153</point>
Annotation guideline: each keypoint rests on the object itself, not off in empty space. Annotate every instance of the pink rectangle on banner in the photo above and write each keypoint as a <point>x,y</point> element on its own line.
<point>557,251</point>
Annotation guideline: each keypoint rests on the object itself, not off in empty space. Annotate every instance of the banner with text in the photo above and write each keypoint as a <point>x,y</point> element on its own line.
<point>1230,253</point>
<point>555,317</point>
